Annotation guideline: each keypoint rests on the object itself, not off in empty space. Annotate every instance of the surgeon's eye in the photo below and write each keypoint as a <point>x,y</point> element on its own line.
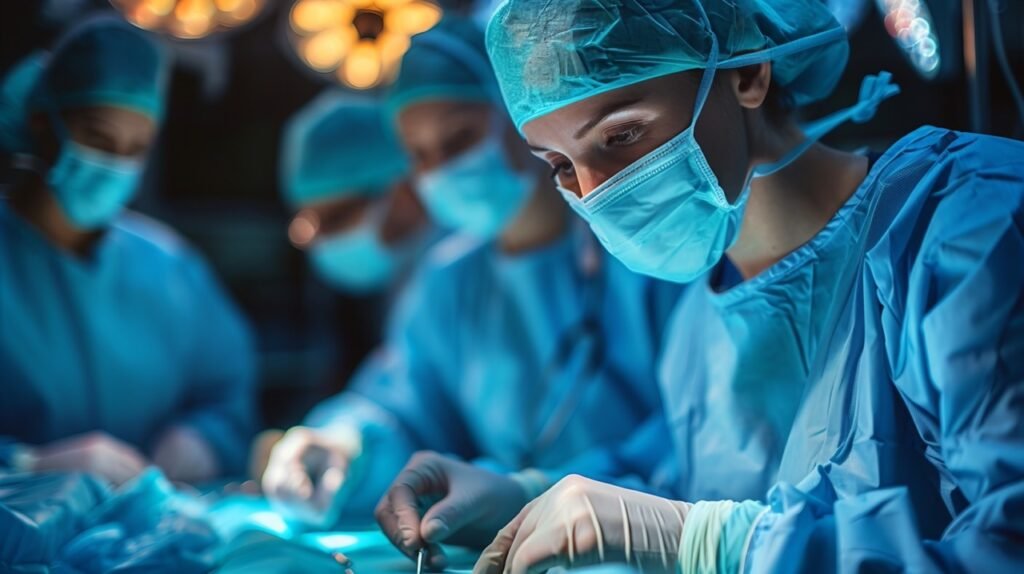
<point>563,171</point>
<point>623,136</point>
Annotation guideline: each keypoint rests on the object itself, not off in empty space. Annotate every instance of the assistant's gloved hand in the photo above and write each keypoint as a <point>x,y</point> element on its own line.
<point>308,467</point>
<point>185,456</point>
<point>95,453</point>
<point>581,522</point>
<point>462,504</point>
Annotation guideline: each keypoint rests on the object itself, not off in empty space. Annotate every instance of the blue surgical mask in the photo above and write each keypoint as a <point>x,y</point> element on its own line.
<point>478,192</point>
<point>666,215</point>
<point>92,186</point>
<point>357,261</point>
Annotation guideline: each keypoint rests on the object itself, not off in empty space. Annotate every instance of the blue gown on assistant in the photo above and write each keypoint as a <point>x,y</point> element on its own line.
<point>129,340</point>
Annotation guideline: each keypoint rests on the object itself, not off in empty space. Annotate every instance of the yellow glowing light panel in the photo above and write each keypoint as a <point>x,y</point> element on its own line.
<point>361,42</point>
<point>189,18</point>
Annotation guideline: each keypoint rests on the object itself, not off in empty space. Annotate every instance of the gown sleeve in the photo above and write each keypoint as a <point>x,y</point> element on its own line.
<point>398,402</point>
<point>958,359</point>
<point>220,386</point>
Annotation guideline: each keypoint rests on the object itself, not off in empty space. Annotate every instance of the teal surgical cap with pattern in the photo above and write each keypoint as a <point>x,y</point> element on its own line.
<point>548,54</point>
<point>339,146</point>
<point>447,62</point>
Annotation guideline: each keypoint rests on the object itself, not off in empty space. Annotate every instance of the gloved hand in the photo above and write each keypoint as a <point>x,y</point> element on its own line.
<point>582,522</point>
<point>185,456</point>
<point>464,505</point>
<point>95,453</point>
<point>308,467</point>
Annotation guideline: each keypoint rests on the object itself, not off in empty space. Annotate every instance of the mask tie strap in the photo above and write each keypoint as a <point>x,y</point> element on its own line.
<point>706,81</point>
<point>873,91</point>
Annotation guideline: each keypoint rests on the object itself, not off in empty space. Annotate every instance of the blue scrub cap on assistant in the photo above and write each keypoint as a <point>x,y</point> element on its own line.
<point>548,54</point>
<point>447,62</point>
<point>339,146</point>
<point>104,61</point>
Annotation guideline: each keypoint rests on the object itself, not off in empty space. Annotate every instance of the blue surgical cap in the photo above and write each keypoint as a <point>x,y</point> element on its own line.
<point>339,146</point>
<point>104,61</point>
<point>448,62</point>
<point>15,91</point>
<point>548,54</point>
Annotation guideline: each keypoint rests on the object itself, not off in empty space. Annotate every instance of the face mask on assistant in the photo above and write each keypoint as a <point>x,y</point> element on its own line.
<point>357,261</point>
<point>477,192</point>
<point>92,186</point>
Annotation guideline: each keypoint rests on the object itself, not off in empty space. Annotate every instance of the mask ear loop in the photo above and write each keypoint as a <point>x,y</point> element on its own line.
<point>706,81</point>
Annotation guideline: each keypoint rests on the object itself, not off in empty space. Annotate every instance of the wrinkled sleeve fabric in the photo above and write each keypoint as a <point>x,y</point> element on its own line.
<point>958,363</point>
<point>219,398</point>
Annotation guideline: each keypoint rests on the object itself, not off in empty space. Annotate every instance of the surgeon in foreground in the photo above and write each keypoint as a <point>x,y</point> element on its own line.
<point>853,400</point>
<point>117,346</point>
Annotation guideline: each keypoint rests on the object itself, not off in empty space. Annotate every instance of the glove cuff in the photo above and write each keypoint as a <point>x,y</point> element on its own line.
<point>716,535</point>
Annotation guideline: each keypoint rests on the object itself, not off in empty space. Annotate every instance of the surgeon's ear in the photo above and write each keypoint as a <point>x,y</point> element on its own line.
<point>750,84</point>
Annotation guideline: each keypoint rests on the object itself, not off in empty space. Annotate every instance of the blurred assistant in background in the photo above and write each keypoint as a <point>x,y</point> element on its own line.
<point>500,351</point>
<point>349,179</point>
<point>364,230</point>
<point>118,345</point>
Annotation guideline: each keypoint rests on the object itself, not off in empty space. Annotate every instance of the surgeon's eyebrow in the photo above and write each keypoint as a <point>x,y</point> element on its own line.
<point>603,113</point>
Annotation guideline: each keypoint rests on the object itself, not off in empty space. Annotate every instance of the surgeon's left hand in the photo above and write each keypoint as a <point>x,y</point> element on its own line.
<point>185,456</point>
<point>438,499</point>
<point>582,522</point>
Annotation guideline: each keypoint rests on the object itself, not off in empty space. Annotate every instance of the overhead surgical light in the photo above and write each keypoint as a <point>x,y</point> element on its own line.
<point>910,23</point>
<point>358,42</point>
<point>189,19</point>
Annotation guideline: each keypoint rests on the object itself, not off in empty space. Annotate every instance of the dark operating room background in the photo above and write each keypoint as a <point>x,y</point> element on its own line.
<point>214,176</point>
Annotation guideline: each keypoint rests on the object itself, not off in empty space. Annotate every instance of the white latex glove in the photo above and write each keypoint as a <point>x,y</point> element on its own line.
<point>582,522</point>
<point>94,453</point>
<point>440,499</point>
<point>185,456</point>
<point>307,468</point>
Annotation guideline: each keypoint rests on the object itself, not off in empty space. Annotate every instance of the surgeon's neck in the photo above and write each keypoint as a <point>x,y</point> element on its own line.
<point>542,221</point>
<point>37,205</point>
<point>788,208</point>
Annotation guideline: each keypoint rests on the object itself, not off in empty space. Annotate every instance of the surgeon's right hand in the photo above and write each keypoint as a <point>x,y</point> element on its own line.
<point>307,468</point>
<point>464,505</point>
<point>94,453</point>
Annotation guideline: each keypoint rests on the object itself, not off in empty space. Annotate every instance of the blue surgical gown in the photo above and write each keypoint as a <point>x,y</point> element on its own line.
<point>132,339</point>
<point>486,348</point>
<point>869,387</point>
